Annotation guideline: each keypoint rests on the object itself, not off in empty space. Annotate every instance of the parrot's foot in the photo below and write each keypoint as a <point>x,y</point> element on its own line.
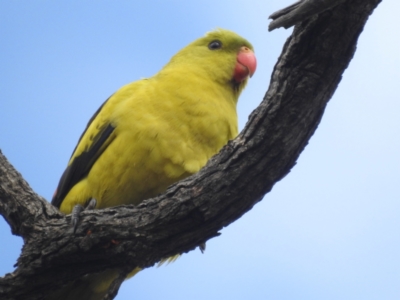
<point>76,211</point>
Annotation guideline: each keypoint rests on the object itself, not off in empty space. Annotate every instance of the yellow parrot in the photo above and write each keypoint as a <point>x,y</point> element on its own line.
<point>156,131</point>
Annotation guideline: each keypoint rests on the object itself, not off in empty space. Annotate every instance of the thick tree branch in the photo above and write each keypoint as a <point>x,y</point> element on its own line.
<point>193,210</point>
<point>20,205</point>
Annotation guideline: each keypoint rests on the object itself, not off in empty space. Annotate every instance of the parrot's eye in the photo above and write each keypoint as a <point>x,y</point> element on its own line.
<point>214,45</point>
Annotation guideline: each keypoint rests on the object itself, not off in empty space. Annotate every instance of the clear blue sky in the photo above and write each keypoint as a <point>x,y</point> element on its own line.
<point>329,230</point>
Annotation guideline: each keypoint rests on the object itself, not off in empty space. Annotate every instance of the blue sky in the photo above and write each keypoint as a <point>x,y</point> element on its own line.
<point>329,230</point>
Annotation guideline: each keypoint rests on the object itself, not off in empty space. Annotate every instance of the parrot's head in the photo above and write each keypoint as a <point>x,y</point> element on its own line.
<point>223,56</point>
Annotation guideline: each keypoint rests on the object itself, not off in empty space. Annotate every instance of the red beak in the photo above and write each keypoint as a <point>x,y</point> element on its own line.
<point>246,64</point>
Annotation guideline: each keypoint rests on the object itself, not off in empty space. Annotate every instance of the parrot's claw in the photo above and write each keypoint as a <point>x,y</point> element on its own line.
<point>76,211</point>
<point>75,215</point>
<point>91,204</point>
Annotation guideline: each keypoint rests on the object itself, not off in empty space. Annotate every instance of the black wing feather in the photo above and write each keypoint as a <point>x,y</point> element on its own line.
<point>82,164</point>
<point>90,122</point>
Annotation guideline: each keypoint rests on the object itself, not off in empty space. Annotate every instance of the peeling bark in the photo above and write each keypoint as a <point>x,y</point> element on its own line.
<point>300,11</point>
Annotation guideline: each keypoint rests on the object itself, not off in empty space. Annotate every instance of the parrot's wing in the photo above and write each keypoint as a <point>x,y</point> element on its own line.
<point>83,162</point>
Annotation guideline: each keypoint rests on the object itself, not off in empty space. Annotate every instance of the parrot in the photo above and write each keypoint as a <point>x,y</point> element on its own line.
<point>154,132</point>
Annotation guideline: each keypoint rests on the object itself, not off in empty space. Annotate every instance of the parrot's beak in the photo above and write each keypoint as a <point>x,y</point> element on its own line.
<point>246,64</point>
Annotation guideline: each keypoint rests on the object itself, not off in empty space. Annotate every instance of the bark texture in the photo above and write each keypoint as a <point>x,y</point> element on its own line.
<point>195,209</point>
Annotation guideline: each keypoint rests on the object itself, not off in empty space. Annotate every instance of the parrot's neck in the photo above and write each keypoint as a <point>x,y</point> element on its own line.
<point>197,76</point>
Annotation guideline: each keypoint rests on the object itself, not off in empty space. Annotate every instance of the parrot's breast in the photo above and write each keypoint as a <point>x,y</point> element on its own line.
<point>162,135</point>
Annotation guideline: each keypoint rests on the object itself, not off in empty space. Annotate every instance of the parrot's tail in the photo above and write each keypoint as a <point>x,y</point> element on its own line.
<point>89,287</point>
<point>95,286</point>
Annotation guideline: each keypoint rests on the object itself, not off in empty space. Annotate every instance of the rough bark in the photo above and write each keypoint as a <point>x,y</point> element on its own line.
<point>195,209</point>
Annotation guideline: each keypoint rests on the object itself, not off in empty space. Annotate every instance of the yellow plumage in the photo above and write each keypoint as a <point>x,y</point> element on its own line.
<point>156,131</point>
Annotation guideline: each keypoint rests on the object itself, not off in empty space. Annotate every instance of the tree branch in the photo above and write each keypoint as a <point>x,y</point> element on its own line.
<point>20,205</point>
<point>195,209</point>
